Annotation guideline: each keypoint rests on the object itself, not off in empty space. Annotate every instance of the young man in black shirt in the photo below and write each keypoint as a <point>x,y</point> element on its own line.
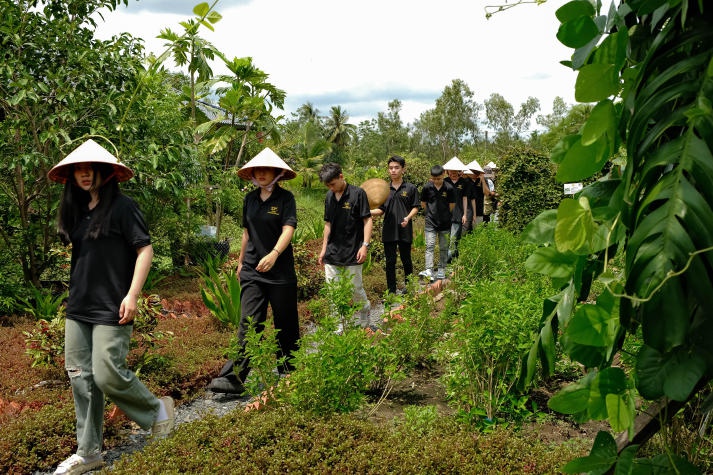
<point>347,234</point>
<point>438,200</point>
<point>397,231</point>
<point>460,185</point>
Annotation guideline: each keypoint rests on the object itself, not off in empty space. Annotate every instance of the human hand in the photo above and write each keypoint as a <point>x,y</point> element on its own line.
<point>405,221</point>
<point>127,309</point>
<point>267,262</point>
<point>361,254</point>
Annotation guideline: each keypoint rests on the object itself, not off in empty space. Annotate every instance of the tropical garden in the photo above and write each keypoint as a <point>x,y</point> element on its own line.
<point>568,309</point>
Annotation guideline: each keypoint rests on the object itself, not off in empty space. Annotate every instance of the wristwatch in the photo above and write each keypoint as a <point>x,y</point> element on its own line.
<point>365,244</point>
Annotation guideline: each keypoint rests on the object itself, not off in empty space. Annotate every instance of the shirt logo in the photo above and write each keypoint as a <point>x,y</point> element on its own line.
<point>274,211</point>
<point>404,194</point>
<point>444,195</point>
<point>346,206</point>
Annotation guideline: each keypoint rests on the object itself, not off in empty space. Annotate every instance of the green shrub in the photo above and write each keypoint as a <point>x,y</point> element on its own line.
<point>310,276</point>
<point>414,328</point>
<point>285,440</point>
<point>221,295</point>
<point>41,304</point>
<point>261,346</point>
<point>491,252</point>
<point>481,356</point>
<point>38,440</point>
<point>335,378</point>
<point>527,186</point>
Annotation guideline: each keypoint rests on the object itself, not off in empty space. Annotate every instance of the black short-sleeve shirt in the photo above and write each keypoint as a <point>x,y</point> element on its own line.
<point>461,188</point>
<point>264,221</point>
<point>438,213</point>
<point>477,189</point>
<point>398,205</point>
<point>102,268</point>
<point>346,219</point>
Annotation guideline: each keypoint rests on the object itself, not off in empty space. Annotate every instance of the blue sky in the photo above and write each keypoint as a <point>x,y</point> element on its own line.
<point>361,55</point>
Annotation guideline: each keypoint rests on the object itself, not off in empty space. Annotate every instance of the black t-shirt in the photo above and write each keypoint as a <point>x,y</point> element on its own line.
<point>346,219</point>
<point>438,213</point>
<point>461,188</point>
<point>264,221</point>
<point>398,205</point>
<point>477,190</point>
<point>102,268</point>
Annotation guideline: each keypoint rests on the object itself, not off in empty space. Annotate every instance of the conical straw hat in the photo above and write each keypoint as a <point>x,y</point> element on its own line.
<point>266,158</point>
<point>491,165</point>
<point>377,191</point>
<point>88,152</point>
<point>455,164</point>
<point>475,166</point>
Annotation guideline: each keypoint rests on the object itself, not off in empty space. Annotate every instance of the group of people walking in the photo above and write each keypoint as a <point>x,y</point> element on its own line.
<point>112,253</point>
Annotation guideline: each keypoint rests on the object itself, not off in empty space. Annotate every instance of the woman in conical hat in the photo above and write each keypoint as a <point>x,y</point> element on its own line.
<point>111,257</point>
<point>266,265</point>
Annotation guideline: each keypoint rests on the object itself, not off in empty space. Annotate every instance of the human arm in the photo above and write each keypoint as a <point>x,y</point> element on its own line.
<point>465,209</point>
<point>129,305</point>
<point>268,261</point>
<point>243,245</point>
<point>325,238</point>
<point>409,217</point>
<point>363,250</point>
<point>377,212</point>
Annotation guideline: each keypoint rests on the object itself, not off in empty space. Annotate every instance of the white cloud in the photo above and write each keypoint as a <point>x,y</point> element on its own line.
<point>360,55</point>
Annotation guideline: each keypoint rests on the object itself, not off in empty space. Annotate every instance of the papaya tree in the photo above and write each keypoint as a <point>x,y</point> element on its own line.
<point>647,66</point>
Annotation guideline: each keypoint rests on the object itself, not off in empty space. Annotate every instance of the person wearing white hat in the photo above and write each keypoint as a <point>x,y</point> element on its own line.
<point>489,195</point>
<point>346,237</point>
<point>454,167</point>
<point>266,266</point>
<point>111,257</point>
<point>474,214</point>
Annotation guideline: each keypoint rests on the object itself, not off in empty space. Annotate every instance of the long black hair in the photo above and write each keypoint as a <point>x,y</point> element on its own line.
<point>75,202</point>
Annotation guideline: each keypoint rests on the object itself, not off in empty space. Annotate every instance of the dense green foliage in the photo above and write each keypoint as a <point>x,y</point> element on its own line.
<point>648,67</point>
<point>288,441</point>
<point>526,181</point>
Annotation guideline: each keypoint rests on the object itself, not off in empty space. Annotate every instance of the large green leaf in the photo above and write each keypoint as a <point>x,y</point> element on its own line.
<point>549,261</point>
<point>673,374</point>
<point>600,459</point>
<point>575,227</point>
<point>592,325</point>
<point>582,161</point>
<point>541,230</point>
<point>577,32</point>
<point>574,9</point>
<point>601,123</point>
<point>573,398</point>
<point>596,82</point>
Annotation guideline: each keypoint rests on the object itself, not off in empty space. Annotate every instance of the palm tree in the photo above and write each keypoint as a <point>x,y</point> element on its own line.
<point>339,132</point>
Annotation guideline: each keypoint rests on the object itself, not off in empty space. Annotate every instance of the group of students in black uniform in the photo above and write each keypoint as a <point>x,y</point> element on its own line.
<point>111,258</point>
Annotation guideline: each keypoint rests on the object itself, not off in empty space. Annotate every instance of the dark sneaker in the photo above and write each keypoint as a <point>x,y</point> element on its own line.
<point>77,464</point>
<point>164,427</point>
<point>225,385</point>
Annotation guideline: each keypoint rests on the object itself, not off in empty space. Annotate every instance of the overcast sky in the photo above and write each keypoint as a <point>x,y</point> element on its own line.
<point>362,54</point>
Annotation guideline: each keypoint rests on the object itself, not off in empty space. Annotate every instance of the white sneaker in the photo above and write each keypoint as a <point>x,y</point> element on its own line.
<point>162,428</point>
<point>77,464</point>
<point>426,274</point>
<point>441,274</point>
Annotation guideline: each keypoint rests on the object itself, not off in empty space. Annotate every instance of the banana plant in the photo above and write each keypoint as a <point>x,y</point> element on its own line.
<point>647,65</point>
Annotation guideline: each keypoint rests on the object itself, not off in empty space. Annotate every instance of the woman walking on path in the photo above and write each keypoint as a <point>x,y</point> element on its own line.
<point>111,257</point>
<point>266,266</point>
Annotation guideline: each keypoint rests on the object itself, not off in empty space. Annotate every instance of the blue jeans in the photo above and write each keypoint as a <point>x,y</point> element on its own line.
<point>443,241</point>
<point>95,359</point>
